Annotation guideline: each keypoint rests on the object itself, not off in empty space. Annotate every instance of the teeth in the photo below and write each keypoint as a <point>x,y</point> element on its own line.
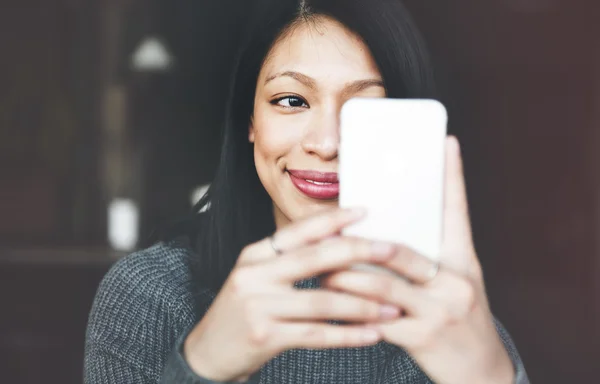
<point>318,182</point>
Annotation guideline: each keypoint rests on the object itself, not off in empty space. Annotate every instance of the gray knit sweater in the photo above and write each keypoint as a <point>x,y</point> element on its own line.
<point>148,302</point>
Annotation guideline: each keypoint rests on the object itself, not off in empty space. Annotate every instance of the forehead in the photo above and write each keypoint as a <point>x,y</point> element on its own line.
<point>322,49</point>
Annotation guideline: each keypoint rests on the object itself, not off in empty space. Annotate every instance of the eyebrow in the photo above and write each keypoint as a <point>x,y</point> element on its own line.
<point>306,80</point>
<point>309,82</point>
<point>361,85</point>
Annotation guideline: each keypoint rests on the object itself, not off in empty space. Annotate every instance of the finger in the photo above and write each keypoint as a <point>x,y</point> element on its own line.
<point>387,289</point>
<point>305,232</point>
<point>408,333</point>
<point>457,240</point>
<point>324,305</point>
<point>407,263</point>
<point>324,336</point>
<point>316,228</point>
<point>326,256</point>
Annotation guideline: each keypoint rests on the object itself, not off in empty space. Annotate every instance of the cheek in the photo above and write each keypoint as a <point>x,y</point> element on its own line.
<point>275,135</point>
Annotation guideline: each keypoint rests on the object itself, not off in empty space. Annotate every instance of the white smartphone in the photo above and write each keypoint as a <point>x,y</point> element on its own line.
<point>392,163</point>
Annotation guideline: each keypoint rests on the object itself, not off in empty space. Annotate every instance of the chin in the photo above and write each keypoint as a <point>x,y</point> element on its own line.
<point>313,207</point>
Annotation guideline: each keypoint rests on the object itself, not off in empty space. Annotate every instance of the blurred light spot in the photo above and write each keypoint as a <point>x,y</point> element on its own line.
<point>197,194</point>
<point>123,217</point>
<point>151,56</point>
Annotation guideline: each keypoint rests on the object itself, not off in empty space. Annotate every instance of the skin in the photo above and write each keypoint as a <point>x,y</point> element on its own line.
<point>446,324</point>
<point>327,66</point>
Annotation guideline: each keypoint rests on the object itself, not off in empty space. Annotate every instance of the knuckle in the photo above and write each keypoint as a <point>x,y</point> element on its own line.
<point>363,249</point>
<point>427,336</point>
<point>329,241</point>
<point>466,293</point>
<point>347,248</point>
<point>326,248</point>
<point>356,249</point>
<point>445,317</point>
<point>464,298</point>
<point>252,309</point>
<point>411,263</point>
<point>248,249</point>
<point>316,334</point>
<point>259,333</point>
<point>293,261</point>
<point>331,221</point>
<point>321,305</point>
<point>404,254</point>
<point>368,310</point>
<point>241,279</point>
<point>246,253</point>
<point>331,248</point>
<point>343,337</point>
<point>339,215</point>
<point>383,287</point>
<point>332,242</point>
<point>442,315</point>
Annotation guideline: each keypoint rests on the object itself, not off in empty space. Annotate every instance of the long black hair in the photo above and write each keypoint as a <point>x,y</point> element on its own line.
<point>240,211</point>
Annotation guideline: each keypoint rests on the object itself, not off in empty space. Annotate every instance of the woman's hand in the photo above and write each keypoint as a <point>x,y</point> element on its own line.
<point>447,326</point>
<point>259,314</point>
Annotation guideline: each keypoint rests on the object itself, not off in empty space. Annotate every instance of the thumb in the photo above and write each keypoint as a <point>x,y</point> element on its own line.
<point>457,242</point>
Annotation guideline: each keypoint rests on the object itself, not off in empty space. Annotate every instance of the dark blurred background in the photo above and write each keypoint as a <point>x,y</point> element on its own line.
<point>109,116</point>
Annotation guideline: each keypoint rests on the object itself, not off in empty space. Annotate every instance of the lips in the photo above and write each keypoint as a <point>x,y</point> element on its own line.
<point>315,184</point>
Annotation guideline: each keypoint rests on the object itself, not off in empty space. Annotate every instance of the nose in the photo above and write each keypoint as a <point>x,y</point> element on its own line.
<point>322,139</point>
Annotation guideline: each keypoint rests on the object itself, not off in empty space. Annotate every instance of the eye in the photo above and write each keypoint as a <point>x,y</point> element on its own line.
<point>290,102</point>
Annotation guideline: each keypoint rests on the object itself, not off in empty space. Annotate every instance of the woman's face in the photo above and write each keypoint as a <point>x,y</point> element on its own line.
<point>307,77</point>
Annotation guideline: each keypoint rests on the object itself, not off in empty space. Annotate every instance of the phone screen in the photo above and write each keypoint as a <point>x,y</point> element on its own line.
<point>392,164</point>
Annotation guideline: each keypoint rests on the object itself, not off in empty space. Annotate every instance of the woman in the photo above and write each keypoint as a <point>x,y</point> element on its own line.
<point>223,304</point>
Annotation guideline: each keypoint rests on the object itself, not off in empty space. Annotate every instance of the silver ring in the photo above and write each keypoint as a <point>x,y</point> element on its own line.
<point>433,272</point>
<point>277,250</point>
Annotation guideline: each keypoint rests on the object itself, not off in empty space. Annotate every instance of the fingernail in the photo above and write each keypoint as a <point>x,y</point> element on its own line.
<point>454,144</point>
<point>382,250</point>
<point>388,312</point>
<point>370,335</point>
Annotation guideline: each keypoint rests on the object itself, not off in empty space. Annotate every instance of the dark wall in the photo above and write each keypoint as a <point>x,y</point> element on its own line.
<point>520,80</point>
<point>49,119</point>
<point>44,316</point>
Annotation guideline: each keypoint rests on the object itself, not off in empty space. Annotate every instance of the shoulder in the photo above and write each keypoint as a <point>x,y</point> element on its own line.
<point>161,275</point>
<point>143,305</point>
<point>162,263</point>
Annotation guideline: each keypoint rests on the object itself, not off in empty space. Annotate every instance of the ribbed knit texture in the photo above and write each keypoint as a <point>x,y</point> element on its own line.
<point>148,302</point>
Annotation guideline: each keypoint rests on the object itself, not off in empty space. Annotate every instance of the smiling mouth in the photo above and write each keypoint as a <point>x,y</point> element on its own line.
<point>316,184</point>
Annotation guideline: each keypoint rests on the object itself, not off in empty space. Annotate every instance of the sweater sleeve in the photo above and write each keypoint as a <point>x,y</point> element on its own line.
<point>132,328</point>
<point>520,373</point>
<point>129,330</point>
<point>139,321</point>
<point>121,346</point>
<point>177,370</point>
